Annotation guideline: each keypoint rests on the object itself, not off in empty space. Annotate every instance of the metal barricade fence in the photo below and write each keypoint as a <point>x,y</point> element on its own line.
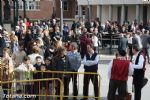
<point>29,90</point>
<point>67,77</point>
<point>45,89</point>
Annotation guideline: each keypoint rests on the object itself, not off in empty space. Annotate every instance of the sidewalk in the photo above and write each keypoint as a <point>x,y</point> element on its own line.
<point>104,60</point>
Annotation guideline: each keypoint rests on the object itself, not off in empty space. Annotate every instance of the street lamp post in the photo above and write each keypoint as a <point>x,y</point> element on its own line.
<point>0,12</point>
<point>14,12</point>
<point>53,6</point>
<point>24,8</point>
<point>89,10</point>
<point>61,16</point>
<point>17,7</point>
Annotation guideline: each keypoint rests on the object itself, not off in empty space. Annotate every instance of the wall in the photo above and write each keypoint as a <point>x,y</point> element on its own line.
<point>106,2</point>
<point>141,13</point>
<point>94,11</point>
<point>131,13</point>
<point>114,13</point>
<point>46,10</point>
<point>148,12</point>
<point>105,11</point>
<point>70,13</point>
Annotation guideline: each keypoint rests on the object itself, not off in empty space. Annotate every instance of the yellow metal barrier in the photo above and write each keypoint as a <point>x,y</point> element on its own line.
<point>11,95</point>
<point>62,74</point>
<point>55,76</point>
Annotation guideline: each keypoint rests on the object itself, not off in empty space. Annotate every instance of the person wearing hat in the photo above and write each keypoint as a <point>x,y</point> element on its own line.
<point>118,71</point>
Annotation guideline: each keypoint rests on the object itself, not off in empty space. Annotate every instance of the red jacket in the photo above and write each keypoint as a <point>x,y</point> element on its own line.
<point>120,70</point>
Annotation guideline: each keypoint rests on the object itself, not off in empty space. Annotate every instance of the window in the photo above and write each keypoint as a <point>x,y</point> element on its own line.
<point>65,6</point>
<point>20,4</point>
<point>30,5</point>
<point>76,10</point>
<point>83,10</point>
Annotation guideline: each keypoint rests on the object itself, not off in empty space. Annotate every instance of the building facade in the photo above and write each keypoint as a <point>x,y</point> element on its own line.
<point>69,8</point>
<point>35,9</point>
<point>117,10</point>
<point>43,9</point>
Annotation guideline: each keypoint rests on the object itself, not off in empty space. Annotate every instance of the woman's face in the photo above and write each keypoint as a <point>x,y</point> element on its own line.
<point>133,51</point>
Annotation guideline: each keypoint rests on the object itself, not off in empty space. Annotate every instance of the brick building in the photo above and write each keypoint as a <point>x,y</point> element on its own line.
<point>116,10</point>
<point>40,9</point>
<point>70,8</point>
<point>37,9</point>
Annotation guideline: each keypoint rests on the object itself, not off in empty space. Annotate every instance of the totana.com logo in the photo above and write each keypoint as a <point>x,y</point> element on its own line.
<point>18,96</point>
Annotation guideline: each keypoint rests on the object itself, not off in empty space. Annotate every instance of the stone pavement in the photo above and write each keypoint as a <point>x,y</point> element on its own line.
<point>104,81</point>
<point>104,60</point>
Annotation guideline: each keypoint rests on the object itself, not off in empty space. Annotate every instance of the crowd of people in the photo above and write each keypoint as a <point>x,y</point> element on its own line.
<point>40,46</point>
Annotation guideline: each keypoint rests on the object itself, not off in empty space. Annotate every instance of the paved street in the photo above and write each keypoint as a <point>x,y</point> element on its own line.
<point>105,59</point>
